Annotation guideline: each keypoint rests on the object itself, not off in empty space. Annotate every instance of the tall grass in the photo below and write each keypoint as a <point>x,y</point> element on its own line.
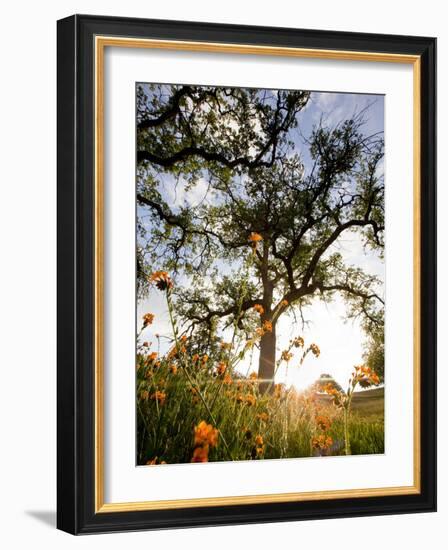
<point>198,407</point>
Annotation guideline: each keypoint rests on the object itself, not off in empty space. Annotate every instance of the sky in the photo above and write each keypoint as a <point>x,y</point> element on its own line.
<point>340,342</point>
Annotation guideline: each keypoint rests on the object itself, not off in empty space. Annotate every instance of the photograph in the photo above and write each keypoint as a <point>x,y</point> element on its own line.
<point>260,274</point>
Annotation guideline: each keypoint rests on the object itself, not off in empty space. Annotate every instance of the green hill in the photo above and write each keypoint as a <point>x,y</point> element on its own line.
<point>365,403</point>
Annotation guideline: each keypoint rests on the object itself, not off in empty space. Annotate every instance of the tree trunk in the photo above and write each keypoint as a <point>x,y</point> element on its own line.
<point>266,366</point>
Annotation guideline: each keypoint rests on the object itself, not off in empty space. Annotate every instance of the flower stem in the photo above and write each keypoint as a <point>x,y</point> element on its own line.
<point>346,429</point>
<point>190,380</point>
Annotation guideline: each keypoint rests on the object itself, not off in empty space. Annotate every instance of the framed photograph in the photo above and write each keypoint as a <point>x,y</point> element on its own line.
<point>247,274</point>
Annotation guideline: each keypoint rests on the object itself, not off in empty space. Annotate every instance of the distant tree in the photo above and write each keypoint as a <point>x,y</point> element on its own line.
<point>261,200</point>
<point>374,349</point>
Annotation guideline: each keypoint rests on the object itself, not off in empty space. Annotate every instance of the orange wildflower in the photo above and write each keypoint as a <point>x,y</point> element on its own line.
<point>247,433</point>
<point>298,342</point>
<point>259,440</point>
<point>255,237</point>
<point>227,380</point>
<point>159,396</point>
<point>221,368</point>
<point>263,416</point>
<point>286,355</point>
<point>315,350</point>
<point>173,369</point>
<point>205,434</point>
<point>322,442</point>
<point>323,422</point>
<point>365,376</point>
<point>330,389</point>
<point>153,461</point>
<point>162,280</point>
<point>172,353</point>
<point>259,308</point>
<point>200,454</point>
<point>250,400</point>
<point>148,319</point>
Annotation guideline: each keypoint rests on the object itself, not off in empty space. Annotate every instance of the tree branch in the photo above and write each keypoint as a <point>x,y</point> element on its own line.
<point>328,242</point>
<point>172,110</point>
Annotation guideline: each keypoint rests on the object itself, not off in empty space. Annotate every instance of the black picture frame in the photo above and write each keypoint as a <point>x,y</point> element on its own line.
<point>76,272</point>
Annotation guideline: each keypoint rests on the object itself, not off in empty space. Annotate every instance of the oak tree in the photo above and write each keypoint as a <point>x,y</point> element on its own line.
<point>269,206</point>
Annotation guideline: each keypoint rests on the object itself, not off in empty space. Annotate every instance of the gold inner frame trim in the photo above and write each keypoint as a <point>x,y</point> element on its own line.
<point>101,42</point>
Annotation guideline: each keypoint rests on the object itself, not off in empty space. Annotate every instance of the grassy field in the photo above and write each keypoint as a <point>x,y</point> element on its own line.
<point>369,402</point>
<point>196,409</point>
<point>366,404</point>
<point>366,422</point>
<point>194,405</point>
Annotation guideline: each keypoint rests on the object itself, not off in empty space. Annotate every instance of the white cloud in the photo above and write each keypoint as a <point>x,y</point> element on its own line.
<point>177,195</point>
